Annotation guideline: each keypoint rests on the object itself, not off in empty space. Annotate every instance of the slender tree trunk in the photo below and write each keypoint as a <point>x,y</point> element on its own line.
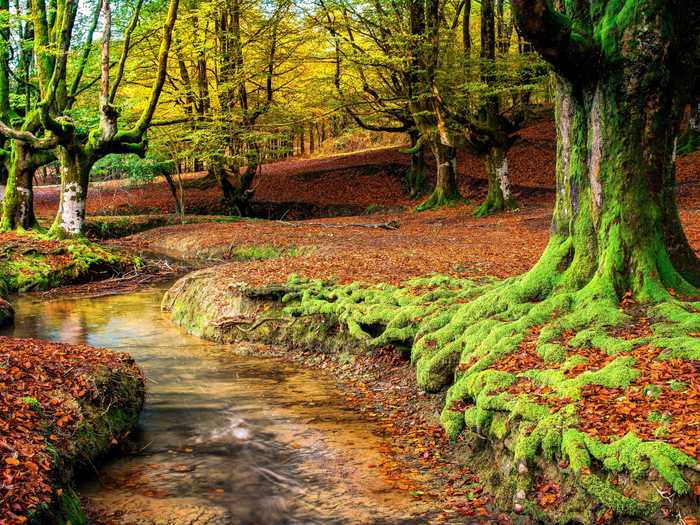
<point>499,195</point>
<point>466,28</point>
<point>173,190</point>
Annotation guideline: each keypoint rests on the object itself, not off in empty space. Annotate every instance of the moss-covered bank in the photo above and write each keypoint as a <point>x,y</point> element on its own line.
<point>31,262</point>
<point>63,407</point>
<point>524,380</point>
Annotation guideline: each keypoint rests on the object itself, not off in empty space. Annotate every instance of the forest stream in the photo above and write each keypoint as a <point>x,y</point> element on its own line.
<point>223,437</point>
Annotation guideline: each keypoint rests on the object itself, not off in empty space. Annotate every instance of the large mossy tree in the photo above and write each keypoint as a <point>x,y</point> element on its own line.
<point>625,71</point>
<point>44,128</point>
<point>78,148</point>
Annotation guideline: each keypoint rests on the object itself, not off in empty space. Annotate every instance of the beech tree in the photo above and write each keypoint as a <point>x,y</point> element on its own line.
<point>79,149</point>
<point>254,54</point>
<point>47,131</point>
<point>625,71</point>
<point>374,82</point>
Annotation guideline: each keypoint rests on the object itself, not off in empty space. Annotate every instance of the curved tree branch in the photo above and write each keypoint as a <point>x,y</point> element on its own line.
<point>125,51</point>
<point>554,37</point>
<point>85,54</point>
<point>136,133</point>
<point>28,137</point>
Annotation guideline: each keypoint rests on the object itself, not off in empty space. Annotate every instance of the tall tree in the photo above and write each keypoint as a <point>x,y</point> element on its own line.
<point>425,19</point>
<point>78,149</point>
<point>619,109</point>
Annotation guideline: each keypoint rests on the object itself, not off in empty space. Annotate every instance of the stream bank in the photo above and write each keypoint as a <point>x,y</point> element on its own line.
<point>62,407</point>
<point>233,434</point>
<point>632,485</point>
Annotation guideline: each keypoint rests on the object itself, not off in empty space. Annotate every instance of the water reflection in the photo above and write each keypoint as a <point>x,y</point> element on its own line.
<point>223,438</point>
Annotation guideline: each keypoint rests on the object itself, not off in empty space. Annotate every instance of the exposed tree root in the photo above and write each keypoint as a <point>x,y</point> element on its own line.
<point>459,333</point>
<point>495,205</point>
<point>439,199</point>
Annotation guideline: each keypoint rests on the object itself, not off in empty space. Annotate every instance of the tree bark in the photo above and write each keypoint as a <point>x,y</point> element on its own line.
<point>618,115</point>
<point>446,191</point>
<point>466,29</point>
<point>415,177</point>
<point>75,174</point>
<point>498,142</point>
<point>500,196</point>
<point>18,202</point>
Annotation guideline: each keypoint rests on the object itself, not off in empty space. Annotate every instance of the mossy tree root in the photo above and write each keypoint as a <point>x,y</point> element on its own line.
<point>459,330</point>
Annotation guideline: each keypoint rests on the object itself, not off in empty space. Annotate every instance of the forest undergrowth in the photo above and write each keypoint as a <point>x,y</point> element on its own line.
<point>606,389</point>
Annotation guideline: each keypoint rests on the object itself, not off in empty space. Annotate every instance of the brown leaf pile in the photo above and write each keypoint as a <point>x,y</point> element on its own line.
<point>42,385</point>
<point>613,412</point>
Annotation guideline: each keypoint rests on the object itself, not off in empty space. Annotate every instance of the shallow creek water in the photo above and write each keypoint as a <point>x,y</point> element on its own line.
<point>224,439</point>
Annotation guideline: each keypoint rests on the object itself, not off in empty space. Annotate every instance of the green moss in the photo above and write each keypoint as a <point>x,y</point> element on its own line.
<point>439,199</point>
<point>604,492</point>
<point>31,402</point>
<point>678,386</point>
<point>69,511</point>
<point>71,262</point>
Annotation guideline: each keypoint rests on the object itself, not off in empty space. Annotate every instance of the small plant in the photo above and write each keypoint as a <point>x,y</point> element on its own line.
<point>31,402</point>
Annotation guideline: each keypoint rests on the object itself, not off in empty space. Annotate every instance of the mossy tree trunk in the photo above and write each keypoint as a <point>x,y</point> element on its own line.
<point>623,80</point>
<point>498,141</point>
<point>75,176</point>
<point>446,190</point>
<point>500,196</point>
<point>237,195</point>
<point>18,204</point>
<point>425,104</point>
<point>415,177</point>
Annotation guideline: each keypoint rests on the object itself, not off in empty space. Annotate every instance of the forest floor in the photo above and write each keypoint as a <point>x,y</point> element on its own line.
<point>61,406</point>
<point>350,184</point>
<point>386,242</point>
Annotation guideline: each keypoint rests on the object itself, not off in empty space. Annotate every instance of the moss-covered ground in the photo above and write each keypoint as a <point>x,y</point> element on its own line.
<point>569,404</point>
<point>61,408</point>
<point>31,262</point>
<point>607,392</point>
